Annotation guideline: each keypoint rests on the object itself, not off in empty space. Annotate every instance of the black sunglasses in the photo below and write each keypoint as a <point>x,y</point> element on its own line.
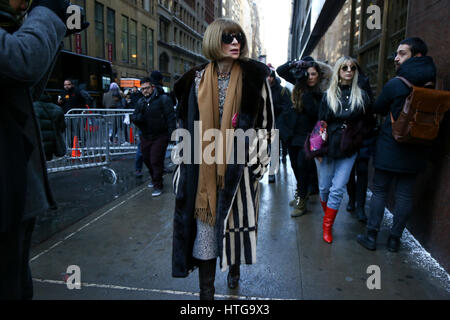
<point>346,68</point>
<point>228,38</point>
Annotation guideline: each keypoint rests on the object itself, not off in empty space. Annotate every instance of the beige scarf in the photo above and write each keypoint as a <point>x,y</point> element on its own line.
<point>211,176</point>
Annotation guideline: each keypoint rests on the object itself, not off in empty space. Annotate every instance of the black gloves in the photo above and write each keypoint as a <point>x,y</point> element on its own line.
<point>301,64</point>
<point>59,7</point>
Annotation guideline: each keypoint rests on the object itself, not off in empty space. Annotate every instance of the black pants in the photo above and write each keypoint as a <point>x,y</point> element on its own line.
<point>357,185</point>
<point>284,148</point>
<point>154,153</point>
<point>15,273</point>
<point>403,200</point>
<point>303,169</point>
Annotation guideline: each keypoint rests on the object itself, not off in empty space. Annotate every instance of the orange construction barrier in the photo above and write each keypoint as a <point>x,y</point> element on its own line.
<point>131,136</point>
<point>76,153</point>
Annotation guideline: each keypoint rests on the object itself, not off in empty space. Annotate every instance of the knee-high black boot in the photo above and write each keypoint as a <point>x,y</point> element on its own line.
<point>207,276</point>
<point>361,193</point>
<point>234,276</point>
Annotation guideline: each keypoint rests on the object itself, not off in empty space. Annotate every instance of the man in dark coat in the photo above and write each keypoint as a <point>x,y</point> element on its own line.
<point>73,97</point>
<point>155,117</point>
<point>281,97</point>
<point>394,160</point>
<point>27,54</point>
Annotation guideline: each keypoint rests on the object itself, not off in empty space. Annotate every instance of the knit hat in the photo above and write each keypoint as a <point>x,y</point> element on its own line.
<point>156,78</point>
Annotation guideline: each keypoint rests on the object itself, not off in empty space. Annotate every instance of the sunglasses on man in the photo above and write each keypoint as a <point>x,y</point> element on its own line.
<point>347,68</point>
<point>228,38</point>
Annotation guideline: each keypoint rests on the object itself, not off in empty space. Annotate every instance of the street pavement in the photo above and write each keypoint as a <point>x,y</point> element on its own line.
<point>124,252</point>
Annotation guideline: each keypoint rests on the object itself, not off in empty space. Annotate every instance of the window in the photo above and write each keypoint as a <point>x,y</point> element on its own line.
<point>144,46</point>
<point>164,62</point>
<point>133,42</point>
<point>99,30</point>
<point>151,50</point>
<point>111,31</point>
<point>125,49</point>
<point>163,31</point>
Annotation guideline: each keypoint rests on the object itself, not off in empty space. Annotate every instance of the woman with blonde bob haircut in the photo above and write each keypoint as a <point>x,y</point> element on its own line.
<point>345,109</point>
<point>216,206</point>
<point>212,40</point>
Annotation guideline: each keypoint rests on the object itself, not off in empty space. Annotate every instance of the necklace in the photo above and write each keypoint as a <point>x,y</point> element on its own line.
<point>223,75</point>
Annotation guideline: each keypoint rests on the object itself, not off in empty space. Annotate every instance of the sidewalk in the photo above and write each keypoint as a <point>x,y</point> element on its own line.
<point>124,252</point>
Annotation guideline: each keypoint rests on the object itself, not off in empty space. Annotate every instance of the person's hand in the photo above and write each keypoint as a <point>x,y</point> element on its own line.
<point>59,7</point>
<point>320,159</point>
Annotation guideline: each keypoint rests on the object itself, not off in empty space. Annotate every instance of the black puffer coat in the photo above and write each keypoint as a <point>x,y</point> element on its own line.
<point>50,118</point>
<point>155,116</point>
<point>391,155</point>
<point>281,98</point>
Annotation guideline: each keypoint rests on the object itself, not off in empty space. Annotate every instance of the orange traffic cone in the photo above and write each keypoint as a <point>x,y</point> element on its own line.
<point>76,153</point>
<point>131,136</point>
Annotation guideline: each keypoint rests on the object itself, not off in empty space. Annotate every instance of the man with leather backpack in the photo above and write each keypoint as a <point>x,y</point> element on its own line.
<point>394,160</point>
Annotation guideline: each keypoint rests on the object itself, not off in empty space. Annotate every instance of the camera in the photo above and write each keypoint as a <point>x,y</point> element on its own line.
<point>299,69</point>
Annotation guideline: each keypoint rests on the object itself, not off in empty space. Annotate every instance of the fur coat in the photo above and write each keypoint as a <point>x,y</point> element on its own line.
<point>238,202</point>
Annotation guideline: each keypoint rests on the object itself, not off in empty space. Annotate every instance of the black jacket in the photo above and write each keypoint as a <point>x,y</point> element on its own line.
<point>346,129</point>
<point>74,99</point>
<point>285,72</point>
<point>281,98</point>
<point>135,97</point>
<point>391,155</point>
<point>50,118</point>
<point>295,126</point>
<point>155,116</point>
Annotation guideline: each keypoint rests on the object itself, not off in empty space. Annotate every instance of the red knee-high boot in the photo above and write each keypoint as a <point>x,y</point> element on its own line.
<point>328,221</point>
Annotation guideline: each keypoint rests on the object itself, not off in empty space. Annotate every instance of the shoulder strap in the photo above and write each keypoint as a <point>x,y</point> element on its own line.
<point>410,85</point>
<point>405,81</point>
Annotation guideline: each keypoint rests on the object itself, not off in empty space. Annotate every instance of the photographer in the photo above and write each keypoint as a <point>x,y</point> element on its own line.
<point>28,49</point>
<point>310,79</point>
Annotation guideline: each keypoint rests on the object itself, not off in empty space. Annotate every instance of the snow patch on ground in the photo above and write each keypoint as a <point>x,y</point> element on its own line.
<point>417,253</point>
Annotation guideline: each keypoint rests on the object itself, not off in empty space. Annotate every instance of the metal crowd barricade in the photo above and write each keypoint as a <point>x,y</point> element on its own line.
<point>93,136</point>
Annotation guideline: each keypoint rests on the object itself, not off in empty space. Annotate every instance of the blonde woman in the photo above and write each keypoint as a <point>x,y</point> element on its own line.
<point>217,204</point>
<point>345,109</point>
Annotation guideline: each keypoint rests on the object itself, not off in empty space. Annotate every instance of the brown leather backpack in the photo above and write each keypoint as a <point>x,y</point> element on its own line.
<point>422,114</point>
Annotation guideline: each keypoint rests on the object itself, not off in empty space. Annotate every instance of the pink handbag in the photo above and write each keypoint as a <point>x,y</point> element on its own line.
<point>318,136</point>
